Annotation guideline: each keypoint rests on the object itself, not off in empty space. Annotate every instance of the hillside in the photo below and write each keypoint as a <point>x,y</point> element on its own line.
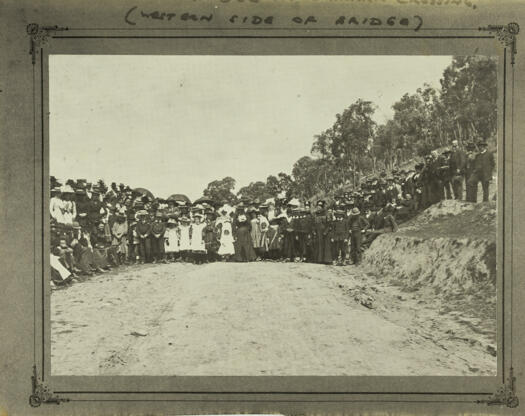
<point>445,257</point>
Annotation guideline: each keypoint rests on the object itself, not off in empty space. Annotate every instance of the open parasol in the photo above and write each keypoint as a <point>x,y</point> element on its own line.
<point>204,200</point>
<point>179,198</point>
<point>145,192</point>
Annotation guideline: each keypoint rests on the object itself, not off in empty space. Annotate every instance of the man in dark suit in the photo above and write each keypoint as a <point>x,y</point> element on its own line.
<point>458,160</point>
<point>483,167</point>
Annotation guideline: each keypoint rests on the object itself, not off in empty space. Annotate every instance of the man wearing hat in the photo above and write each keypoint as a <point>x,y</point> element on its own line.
<point>445,174</point>
<point>143,231</point>
<point>471,191</point>
<point>95,207</point>
<point>82,203</point>
<point>302,227</point>
<point>357,226</point>
<point>340,236</point>
<point>428,180</point>
<point>483,168</point>
<point>322,247</point>
<point>158,228</point>
<point>418,186</point>
<point>458,159</point>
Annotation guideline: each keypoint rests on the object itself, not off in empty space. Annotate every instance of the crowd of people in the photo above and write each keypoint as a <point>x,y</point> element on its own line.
<point>94,229</point>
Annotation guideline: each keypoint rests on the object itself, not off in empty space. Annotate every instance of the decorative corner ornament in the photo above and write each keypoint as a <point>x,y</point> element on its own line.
<point>506,34</point>
<point>505,395</point>
<point>39,36</point>
<point>41,393</point>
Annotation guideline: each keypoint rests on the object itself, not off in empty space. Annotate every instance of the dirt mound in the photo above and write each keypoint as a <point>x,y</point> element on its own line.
<point>454,219</point>
<point>451,246</point>
<point>446,264</point>
<point>445,256</point>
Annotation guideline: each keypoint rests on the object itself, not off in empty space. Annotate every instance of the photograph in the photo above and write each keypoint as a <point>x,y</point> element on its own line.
<point>273,215</point>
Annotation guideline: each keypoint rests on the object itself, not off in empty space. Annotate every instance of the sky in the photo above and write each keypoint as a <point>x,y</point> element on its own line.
<point>172,124</point>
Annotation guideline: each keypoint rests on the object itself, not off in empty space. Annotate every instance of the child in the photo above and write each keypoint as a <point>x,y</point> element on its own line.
<point>198,248</point>
<point>263,242</point>
<point>184,238</point>
<point>171,246</point>
<point>275,239</point>
<point>211,240</point>
<point>225,232</point>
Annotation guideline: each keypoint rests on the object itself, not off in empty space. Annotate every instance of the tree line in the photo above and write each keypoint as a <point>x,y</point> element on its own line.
<point>462,109</point>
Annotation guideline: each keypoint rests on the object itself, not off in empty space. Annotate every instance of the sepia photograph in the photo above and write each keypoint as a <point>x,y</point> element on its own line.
<point>273,215</point>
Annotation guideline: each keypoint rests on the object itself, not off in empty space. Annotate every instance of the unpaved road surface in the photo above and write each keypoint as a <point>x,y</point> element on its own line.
<point>257,319</point>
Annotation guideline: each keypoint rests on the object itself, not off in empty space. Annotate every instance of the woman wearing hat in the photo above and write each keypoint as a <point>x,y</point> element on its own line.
<point>264,225</point>
<point>211,238</point>
<point>224,229</point>
<point>69,208</point>
<point>243,241</point>
<point>255,231</point>
<point>119,232</point>
<point>56,205</point>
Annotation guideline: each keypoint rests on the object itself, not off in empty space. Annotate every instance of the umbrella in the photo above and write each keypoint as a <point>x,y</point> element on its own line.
<point>145,192</point>
<point>204,200</point>
<point>179,198</point>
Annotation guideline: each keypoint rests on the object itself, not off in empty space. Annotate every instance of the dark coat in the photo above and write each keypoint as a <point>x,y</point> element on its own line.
<point>243,242</point>
<point>340,229</point>
<point>458,160</point>
<point>322,247</point>
<point>484,165</point>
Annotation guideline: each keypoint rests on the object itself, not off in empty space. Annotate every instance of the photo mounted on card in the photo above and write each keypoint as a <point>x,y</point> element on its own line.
<point>259,206</point>
<point>328,224</point>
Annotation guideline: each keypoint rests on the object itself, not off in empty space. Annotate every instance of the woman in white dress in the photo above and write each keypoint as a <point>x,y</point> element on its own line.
<point>184,238</point>
<point>225,232</point>
<point>69,208</point>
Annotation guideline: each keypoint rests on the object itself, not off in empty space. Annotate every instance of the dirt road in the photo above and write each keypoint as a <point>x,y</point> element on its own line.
<point>257,319</point>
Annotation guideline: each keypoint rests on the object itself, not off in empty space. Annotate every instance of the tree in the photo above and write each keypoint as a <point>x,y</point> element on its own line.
<point>221,191</point>
<point>386,144</point>
<point>354,129</point>
<point>469,94</point>
<point>286,183</point>
<point>304,174</point>
<point>272,185</point>
<point>255,190</point>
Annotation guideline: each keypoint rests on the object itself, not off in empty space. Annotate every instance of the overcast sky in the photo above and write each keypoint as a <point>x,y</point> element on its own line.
<point>172,124</point>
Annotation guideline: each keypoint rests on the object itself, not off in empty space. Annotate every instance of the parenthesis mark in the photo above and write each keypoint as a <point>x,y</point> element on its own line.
<point>419,24</point>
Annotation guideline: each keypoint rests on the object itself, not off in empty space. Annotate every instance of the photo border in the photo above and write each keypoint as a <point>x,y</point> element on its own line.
<point>41,36</point>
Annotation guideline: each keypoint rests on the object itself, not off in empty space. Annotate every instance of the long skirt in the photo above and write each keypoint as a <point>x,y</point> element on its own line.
<point>243,246</point>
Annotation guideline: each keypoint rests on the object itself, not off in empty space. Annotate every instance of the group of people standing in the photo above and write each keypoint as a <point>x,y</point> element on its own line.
<point>95,228</point>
